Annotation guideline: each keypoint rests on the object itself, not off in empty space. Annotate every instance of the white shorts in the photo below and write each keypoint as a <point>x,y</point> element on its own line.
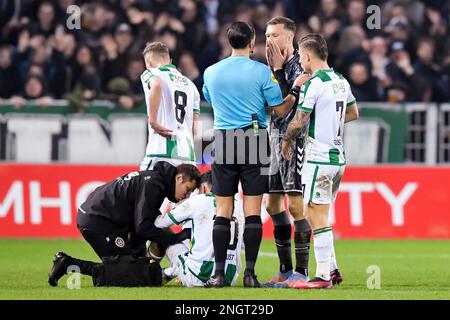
<point>321,182</point>
<point>149,162</point>
<point>176,269</point>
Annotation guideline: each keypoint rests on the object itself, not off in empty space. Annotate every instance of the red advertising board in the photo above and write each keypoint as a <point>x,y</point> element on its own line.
<point>374,202</point>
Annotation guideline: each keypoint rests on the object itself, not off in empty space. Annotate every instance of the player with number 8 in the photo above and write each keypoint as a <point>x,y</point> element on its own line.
<point>173,107</point>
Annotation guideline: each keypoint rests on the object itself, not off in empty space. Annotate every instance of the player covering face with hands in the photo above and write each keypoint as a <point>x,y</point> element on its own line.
<point>285,175</point>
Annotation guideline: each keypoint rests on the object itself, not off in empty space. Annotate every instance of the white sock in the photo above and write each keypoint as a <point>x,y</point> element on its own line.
<point>333,264</point>
<point>323,244</point>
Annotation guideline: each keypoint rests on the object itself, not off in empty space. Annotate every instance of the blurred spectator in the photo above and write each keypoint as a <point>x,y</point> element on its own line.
<point>379,60</point>
<point>427,67</point>
<point>211,13</point>
<point>360,53</point>
<point>116,50</point>
<point>216,50</point>
<point>355,13</point>
<point>327,21</point>
<point>397,93</point>
<point>33,89</point>
<point>135,68</point>
<point>259,51</point>
<point>34,40</point>
<point>401,72</point>
<point>172,40</point>
<point>128,91</point>
<point>351,38</point>
<point>412,10</point>
<point>84,58</point>
<point>46,20</point>
<point>188,67</point>
<point>9,77</point>
<point>364,86</point>
<point>97,20</point>
<point>435,24</point>
<point>261,16</point>
<point>141,23</point>
<point>195,35</point>
<point>86,79</point>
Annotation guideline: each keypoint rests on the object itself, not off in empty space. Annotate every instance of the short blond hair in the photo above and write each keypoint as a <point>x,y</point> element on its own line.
<point>157,48</point>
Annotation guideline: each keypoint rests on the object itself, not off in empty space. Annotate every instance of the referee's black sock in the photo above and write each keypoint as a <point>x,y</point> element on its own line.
<point>282,233</point>
<point>302,240</point>
<point>221,239</point>
<point>252,241</point>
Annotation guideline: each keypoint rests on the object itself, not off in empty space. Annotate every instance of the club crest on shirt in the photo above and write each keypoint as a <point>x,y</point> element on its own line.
<point>178,80</point>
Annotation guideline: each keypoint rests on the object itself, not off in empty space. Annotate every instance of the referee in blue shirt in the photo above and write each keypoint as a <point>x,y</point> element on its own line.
<point>238,89</point>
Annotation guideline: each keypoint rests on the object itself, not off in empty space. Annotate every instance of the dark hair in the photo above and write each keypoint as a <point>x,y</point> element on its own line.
<point>286,22</point>
<point>189,172</point>
<point>240,34</point>
<point>206,178</point>
<point>316,43</point>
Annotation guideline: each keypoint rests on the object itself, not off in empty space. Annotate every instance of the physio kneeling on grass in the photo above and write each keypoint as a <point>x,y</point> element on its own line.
<point>118,218</point>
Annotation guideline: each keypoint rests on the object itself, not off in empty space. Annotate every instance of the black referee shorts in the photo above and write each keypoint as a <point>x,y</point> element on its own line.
<point>239,155</point>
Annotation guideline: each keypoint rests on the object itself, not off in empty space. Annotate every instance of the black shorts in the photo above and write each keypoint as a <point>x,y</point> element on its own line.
<point>107,240</point>
<point>285,175</point>
<point>240,156</point>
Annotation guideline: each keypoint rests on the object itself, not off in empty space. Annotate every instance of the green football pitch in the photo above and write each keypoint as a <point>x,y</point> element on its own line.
<point>408,269</point>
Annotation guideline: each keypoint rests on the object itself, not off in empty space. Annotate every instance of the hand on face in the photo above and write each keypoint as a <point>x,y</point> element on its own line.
<point>275,57</point>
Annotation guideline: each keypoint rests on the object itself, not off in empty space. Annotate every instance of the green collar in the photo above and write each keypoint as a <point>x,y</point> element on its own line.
<point>323,70</point>
<point>169,66</point>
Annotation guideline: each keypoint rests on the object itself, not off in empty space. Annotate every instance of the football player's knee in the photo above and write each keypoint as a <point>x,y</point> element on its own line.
<point>274,208</point>
<point>296,209</point>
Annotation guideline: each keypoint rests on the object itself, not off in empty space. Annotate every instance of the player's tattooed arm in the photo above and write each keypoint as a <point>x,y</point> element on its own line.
<point>300,119</point>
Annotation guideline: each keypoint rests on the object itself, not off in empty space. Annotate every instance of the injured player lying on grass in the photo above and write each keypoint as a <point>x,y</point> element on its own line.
<point>192,262</point>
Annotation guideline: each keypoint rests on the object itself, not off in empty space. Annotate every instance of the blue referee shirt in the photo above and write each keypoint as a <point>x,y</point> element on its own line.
<point>238,87</point>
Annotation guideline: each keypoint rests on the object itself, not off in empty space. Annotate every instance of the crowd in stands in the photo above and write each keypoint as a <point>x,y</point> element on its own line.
<point>43,58</point>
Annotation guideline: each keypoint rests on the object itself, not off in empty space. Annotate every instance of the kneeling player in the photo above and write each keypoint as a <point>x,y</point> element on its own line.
<point>194,266</point>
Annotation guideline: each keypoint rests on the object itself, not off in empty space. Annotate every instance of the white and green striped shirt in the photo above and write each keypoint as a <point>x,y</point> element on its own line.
<point>326,95</point>
<point>198,212</point>
<point>180,99</point>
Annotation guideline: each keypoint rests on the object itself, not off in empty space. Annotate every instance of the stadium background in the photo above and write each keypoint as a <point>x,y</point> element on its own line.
<point>71,102</point>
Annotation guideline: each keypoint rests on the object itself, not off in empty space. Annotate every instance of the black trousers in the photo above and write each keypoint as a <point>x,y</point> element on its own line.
<point>108,240</point>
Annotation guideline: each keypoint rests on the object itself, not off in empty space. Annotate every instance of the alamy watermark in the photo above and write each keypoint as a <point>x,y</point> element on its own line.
<point>374,280</point>
<point>373,22</point>
<point>73,22</point>
<point>74,279</point>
